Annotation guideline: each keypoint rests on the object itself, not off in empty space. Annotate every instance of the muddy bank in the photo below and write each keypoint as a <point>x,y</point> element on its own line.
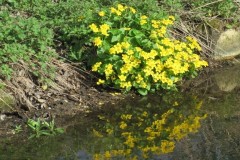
<point>71,93</point>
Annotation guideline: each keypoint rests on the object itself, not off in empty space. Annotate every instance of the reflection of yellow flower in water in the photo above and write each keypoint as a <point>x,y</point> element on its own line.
<point>107,154</point>
<point>97,134</point>
<point>123,125</point>
<point>129,141</point>
<point>126,116</point>
<point>145,131</point>
<point>167,146</point>
<point>109,131</point>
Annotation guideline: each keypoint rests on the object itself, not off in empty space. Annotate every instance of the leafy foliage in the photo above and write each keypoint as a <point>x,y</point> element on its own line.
<point>40,128</point>
<point>200,8</point>
<point>135,51</point>
<point>24,40</point>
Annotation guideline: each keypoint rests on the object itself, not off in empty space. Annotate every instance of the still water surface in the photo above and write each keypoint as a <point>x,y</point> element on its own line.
<point>192,126</point>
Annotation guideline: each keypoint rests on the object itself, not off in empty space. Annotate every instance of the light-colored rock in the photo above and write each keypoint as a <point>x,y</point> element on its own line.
<point>228,79</point>
<point>228,45</point>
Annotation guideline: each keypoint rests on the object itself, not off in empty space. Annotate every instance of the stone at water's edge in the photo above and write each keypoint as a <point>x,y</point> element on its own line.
<point>228,79</point>
<point>228,45</point>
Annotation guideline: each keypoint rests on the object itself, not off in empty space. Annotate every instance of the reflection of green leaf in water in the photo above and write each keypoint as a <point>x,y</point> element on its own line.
<point>148,129</point>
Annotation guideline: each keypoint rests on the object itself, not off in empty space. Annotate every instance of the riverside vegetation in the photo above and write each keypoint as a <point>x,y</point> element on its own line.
<point>129,45</point>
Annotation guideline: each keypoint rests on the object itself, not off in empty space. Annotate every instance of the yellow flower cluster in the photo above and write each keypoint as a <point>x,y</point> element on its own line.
<point>108,70</point>
<point>161,61</point>
<point>96,66</point>
<point>103,29</point>
<point>143,20</point>
<point>97,41</point>
<point>101,13</point>
<point>121,8</point>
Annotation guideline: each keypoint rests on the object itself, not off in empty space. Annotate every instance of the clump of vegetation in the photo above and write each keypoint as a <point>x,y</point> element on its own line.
<point>41,128</point>
<point>135,51</point>
<point>25,42</point>
<point>201,8</point>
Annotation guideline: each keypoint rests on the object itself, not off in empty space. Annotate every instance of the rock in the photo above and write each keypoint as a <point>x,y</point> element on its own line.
<point>228,79</point>
<point>227,45</point>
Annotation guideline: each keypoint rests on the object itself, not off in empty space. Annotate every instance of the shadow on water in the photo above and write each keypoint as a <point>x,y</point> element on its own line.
<point>172,126</point>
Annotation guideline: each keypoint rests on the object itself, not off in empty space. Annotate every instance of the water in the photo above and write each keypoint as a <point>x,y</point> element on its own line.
<point>198,125</point>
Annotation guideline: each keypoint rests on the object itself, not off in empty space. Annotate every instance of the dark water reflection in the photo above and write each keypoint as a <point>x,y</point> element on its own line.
<point>168,127</point>
<point>137,128</point>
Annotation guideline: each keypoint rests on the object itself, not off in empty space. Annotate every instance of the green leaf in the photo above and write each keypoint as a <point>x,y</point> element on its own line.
<point>114,58</point>
<point>142,91</point>
<point>117,38</point>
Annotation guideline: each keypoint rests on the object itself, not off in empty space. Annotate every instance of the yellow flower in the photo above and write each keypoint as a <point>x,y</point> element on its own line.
<point>175,103</point>
<point>104,29</point>
<point>101,13</point>
<point>94,27</point>
<point>107,154</point>
<point>130,141</point>
<point>130,52</point>
<point>167,22</point>
<point>100,81</point>
<point>114,10</point>
<point>123,125</point>
<point>113,50</point>
<point>125,85</point>
<point>122,77</point>
<point>155,24</point>
<point>132,10</point>
<point>120,7</point>
<point>138,49</point>
<point>153,35</point>
<point>125,45</point>
<point>139,78</point>
<point>126,116</point>
<point>144,114</point>
<point>167,146</point>
<point>143,21</point>
<point>143,17</point>
<point>96,66</point>
<point>108,70</point>
<point>97,41</point>
<point>171,18</point>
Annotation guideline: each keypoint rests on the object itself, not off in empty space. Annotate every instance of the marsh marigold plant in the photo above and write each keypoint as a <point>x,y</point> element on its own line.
<point>135,51</point>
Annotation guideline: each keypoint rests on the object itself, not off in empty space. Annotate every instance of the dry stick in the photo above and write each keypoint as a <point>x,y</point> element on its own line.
<point>201,43</point>
<point>206,32</point>
<point>186,31</point>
